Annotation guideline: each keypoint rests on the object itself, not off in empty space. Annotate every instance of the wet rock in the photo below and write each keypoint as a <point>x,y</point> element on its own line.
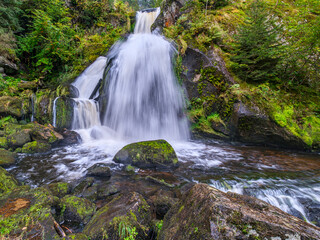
<point>207,213</point>
<point>251,125</point>
<point>91,193</point>
<point>82,186</point>
<point>7,182</point>
<point>126,211</point>
<point>99,170</point>
<point>162,202</point>
<point>19,139</point>
<point>106,189</point>
<point>26,214</point>
<point>69,138</point>
<point>157,154</point>
<point>11,106</point>
<point>7,158</point>
<point>44,133</point>
<point>36,147</point>
<point>76,236</point>
<point>59,189</point>
<point>76,210</point>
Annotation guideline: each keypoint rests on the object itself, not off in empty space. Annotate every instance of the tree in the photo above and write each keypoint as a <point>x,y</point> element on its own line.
<point>257,49</point>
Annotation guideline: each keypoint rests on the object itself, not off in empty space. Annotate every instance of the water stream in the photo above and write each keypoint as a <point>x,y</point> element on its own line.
<point>144,101</point>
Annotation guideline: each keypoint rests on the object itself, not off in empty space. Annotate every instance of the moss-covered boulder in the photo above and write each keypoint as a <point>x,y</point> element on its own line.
<point>157,154</point>
<point>18,139</point>
<point>7,182</point>
<point>59,189</point>
<point>26,214</point>
<point>76,210</point>
<point>126,215</point>
<point>11,106</point>
<point>7,157</point>
<point>207,213</point>
<point>44,133</point>
<point>99,170</point>
<point>36,147</point>
<point>3,142</point>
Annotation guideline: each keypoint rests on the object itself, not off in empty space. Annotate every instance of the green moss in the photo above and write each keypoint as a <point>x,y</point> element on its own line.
<point>7,182</point>
<point>35,147</point>
<point>79,206</point>
<point>3,142</point>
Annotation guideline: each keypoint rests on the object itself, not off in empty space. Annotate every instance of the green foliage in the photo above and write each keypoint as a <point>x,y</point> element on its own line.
<point>257,49</point>
<point>9,13</point>
<point>301,64</point>
<point>127,232</point>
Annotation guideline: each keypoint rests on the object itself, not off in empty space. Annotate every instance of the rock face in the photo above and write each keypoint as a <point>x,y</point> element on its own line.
<point>64,112</point>
<point>119,217</point>
<point>253,126</point>
<point>207,213</point>
<point>157,154</point>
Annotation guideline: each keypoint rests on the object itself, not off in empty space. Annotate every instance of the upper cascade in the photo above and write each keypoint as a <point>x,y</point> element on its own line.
<point>145,19</point>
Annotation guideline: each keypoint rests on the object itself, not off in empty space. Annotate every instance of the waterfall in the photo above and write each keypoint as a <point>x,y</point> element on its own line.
<point>144,100</point>
<point>33,101</point>
<point>86,111</point>
<point>54,112</point>
<point>142,97</point>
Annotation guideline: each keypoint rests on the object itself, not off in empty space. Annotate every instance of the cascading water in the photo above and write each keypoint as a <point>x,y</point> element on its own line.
<point>144,100</point>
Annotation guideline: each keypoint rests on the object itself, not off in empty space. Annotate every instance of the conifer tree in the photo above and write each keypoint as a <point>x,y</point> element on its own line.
<point>257,48</point>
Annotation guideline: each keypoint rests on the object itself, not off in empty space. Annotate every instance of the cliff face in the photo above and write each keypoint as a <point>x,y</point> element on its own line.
<point>220,103</point>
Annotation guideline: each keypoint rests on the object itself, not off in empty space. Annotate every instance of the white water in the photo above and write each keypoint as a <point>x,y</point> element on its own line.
<point>54,112</point>
<point>145,102</point>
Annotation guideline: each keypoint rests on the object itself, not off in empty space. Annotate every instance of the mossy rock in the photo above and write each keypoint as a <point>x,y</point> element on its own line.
<point>3,142</point>
<point>11,106</point>
<point>99,170</point>
<point>59,189</point>
<point>157,154</point>
<point>76,236</point>
<point>76,210</point>
<point>12,128</point>
<point>36,147</point>
<point>25,213</point>
<point>127,211</point>
<point>7,157</point>
<point>207,213</point>
<point>7,182</point>
<point>82,186</point>
<point>64,112</point>
<point>19,138</point>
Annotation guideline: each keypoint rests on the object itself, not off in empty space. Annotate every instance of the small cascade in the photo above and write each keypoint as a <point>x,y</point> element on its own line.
<point>86,109</point>
<point>86,114</point>
<point>33,101</point>
<point>54,112</point>
<point>145,19</point>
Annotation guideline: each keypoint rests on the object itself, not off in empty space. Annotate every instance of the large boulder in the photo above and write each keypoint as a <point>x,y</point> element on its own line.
<point>26,214</point>
<point>19,138</point>
<point>157,154</point>
<point>125,215</point>
<point>7,157</point>
<point>76,210</point>
<point>36,147</point>
<point>207,213</point>
<point>251,125</point>
<point>7,182</point>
